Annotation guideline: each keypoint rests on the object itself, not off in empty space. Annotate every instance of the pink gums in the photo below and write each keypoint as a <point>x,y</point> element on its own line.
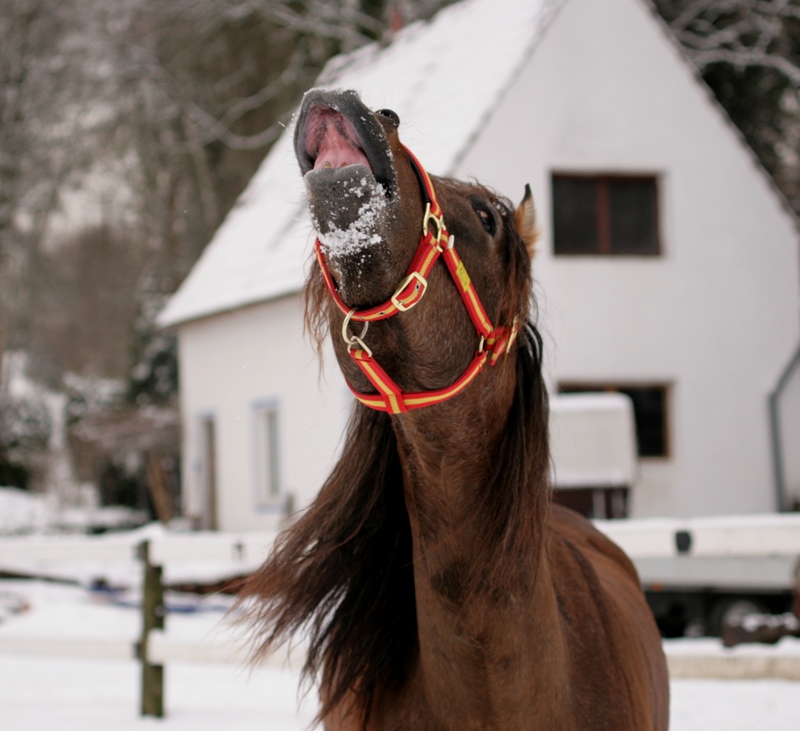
<point>331,139</point>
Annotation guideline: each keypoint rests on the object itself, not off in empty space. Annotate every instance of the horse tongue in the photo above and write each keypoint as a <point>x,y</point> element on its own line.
<point>336,151</point>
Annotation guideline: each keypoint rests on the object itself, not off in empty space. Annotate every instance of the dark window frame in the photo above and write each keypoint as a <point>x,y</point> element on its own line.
<point>603,214</point>
<point>621,387</point>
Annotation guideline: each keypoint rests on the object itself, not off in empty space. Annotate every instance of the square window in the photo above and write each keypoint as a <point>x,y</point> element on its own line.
<point>207,518</point>
<point>605,214</point>
<point>268,488</point>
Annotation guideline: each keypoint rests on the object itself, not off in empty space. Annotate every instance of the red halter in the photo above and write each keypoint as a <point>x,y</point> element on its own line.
<point>435,241</point>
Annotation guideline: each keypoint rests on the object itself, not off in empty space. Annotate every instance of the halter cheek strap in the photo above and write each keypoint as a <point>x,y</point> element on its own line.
<point>434,242</point>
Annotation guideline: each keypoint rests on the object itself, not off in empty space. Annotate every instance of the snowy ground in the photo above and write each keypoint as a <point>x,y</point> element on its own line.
<point>66,694</point>
<point>76,695</point>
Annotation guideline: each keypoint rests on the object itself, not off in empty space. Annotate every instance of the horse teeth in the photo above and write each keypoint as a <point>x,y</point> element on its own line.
<point>327,165</point>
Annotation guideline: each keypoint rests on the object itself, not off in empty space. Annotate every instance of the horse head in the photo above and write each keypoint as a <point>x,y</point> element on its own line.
<point>370,201</point>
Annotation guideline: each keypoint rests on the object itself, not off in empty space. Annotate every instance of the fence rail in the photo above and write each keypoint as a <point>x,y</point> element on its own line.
<point>52,557</point>
<point>241,552</point>
<point>168,548</point>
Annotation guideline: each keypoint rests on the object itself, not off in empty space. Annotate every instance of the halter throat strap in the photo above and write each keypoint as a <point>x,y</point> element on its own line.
<point>435,242</point>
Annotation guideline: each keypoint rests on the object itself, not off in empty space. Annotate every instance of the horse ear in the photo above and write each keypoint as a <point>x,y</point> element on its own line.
<point>525,220</point>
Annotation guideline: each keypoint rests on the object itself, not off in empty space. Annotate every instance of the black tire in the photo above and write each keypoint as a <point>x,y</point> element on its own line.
<point>728,610</point>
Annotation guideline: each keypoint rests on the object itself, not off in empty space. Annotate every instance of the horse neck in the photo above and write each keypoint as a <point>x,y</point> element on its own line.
<point>476,633</point>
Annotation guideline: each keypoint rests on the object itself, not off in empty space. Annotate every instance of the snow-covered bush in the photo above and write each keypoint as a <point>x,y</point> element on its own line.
<point>25,429</point>
<point>88,396</point>
<point>154,374</point>
<point>25,425</point>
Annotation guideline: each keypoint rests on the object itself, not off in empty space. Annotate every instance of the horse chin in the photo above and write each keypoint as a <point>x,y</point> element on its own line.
<point>349,211</point>
<point>337,195</point>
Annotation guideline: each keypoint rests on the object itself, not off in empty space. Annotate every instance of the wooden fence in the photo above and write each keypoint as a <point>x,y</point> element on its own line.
<point>242,552</point>
<point>53,557</point>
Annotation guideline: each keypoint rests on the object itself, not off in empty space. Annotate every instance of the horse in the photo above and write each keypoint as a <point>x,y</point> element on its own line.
<point>437,584</point>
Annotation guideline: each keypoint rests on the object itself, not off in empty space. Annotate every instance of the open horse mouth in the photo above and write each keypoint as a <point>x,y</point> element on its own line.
<point>335,130</point>
<point>331,140</point>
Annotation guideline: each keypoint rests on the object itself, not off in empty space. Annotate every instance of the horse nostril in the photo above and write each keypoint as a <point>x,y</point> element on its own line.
<point>390,115</point>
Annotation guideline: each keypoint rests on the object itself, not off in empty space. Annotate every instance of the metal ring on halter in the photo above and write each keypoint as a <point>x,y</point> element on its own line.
<point>429,218</point>
<point>353,341</point>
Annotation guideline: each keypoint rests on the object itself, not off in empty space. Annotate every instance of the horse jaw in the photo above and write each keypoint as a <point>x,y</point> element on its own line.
<point>343,152</point>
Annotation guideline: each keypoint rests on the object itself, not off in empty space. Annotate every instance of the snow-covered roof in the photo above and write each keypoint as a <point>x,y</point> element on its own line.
<point>443,77</point>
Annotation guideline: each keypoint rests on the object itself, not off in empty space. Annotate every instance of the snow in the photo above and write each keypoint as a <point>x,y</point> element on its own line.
<point>711,647</point>
<point>732,705</point>
<point>75,695</point>
<point>21,511</point>
<point>590,403</point>
<point>95,694</point>
<point>40,689</point>
<point>27,513</point>
<point>360,234</point>
<point>444,78</point>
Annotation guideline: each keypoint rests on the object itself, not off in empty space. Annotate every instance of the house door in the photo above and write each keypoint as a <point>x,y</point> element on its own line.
<point>208,437</point>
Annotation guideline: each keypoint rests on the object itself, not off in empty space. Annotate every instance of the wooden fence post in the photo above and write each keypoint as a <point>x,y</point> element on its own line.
<point>152,618</point>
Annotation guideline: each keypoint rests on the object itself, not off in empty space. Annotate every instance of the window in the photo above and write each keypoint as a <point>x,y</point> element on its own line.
<point>650,408</point>
<point>208,458</point>
<point>605,214</point>
<point>268,488</point>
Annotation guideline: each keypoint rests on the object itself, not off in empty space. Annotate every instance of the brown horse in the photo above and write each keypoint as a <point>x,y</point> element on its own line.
<point>438,585</point>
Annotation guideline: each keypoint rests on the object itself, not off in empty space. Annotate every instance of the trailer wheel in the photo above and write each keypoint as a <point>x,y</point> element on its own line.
<point>731,610</point>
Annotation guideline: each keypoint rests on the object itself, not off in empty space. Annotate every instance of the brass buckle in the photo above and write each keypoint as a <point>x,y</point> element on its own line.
<point>438,220</point>
<point>353,341</point>
<point>396,296</point>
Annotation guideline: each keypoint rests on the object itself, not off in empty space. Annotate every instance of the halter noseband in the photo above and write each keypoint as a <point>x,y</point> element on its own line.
<point>435,241</point>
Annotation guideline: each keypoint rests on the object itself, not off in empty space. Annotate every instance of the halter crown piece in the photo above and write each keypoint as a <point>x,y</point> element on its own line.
<point>435,241</point>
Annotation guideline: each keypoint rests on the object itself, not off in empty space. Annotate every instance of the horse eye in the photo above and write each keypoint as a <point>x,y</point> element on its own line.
<point>486,218</point>
<point>390,115</point>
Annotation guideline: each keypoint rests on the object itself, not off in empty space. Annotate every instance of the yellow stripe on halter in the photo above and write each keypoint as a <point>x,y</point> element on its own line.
<point>463,277</point>
<point>382,386</point>
<point>477,308</point>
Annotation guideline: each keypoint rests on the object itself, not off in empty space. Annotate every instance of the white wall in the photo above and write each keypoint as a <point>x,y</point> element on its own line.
<point>231,362</point>
<point>718,314</point>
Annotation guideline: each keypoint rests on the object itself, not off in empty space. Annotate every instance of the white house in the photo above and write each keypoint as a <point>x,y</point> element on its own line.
<point>669,265</point>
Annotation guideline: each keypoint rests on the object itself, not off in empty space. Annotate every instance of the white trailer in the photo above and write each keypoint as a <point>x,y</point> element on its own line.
<point>698,573</point>
<point>593,452</point>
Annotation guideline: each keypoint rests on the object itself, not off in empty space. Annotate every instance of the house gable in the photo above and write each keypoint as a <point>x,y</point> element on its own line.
<point>584,87</point>
<point>717,314</point>
<point>261,248</point>
<point>443,77</point>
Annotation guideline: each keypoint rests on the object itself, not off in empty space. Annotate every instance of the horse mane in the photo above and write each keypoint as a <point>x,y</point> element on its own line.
<point>343,572</point>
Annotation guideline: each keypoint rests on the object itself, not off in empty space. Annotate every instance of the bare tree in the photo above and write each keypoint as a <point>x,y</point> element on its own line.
<point>86,294</point>
<point>181,99</point>
<point>749,53</point>
<point>47,82</point>
<point>741,33</point>
<point>207,87</point>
